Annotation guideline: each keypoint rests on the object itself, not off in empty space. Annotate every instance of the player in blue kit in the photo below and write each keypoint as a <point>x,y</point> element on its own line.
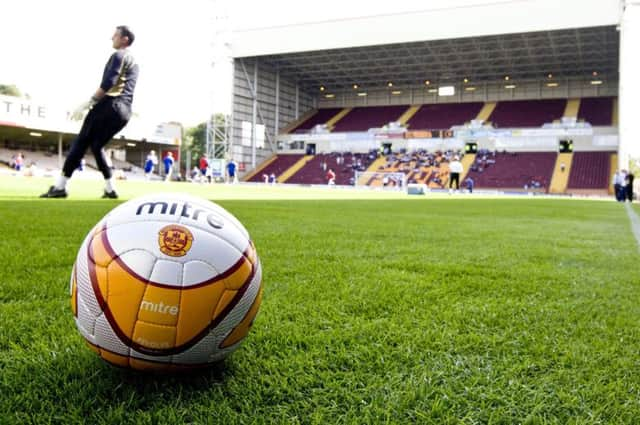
<point>109,111</point>
<point>231,172</point>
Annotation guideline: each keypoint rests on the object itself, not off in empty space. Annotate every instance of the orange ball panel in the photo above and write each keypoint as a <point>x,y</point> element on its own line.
<point>160,305</point>
<point>154,337</point>
<point>124,298</point>
<point>242,330</point>
<point>200,303</point>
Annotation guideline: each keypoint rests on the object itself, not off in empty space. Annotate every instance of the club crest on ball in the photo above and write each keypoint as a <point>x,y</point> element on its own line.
<point>174,240</point>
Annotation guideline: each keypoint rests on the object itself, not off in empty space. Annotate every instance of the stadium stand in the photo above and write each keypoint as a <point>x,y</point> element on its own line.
<point>421,166</point>
<point>444,116</point>
<point>284,177</point>
<point>406,116</point>
<point>42,160</point>
<point>344,165</point>
<point>527,113</point>
<point>364,118</point>
<point>590,170</point>
<point>258,170</point>
<point>332,122</point>
<point>320,117</point>
<point>561,173</point>
<point>291,126</point>
<point>597,111</point>
<point>277,167</point>
<point>486,111</point>
<point>571,110</point>
<point>513,170</point>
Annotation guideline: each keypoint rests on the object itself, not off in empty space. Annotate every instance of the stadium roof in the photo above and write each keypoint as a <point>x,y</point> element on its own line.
<point>532,55</point>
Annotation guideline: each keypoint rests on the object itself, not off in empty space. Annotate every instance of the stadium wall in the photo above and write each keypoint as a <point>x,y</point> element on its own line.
<point>512,140</point>
<point>275,94</point>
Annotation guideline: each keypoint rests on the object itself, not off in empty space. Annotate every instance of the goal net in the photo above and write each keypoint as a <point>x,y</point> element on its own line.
<point>383,180</point>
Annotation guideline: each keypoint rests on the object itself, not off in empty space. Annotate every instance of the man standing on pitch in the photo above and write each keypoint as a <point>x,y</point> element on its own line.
<point>455,168</point>
<point>109,111</point>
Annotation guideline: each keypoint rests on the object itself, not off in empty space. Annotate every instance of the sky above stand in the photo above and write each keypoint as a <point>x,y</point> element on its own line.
<point>55,51</point>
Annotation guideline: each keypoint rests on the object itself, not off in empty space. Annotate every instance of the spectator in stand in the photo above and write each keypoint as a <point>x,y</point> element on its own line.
<point>469,182</point>
<point>456,169</point>
<point>629,186</point>
<point>168,166</point>
<point>150,163</point>
<point>331,177</point>
<point>203,165</point>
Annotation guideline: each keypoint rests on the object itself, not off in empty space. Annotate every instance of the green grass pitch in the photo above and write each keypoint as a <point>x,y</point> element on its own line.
<point>378,308</point>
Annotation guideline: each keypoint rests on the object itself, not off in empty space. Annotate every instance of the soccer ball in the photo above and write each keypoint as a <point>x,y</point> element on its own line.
<point>166,282</point>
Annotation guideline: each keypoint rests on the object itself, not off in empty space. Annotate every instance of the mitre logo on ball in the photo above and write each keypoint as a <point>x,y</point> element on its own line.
<point>166,282</point>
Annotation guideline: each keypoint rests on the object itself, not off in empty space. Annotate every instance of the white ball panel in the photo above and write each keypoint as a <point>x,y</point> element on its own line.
<point>206,350</point>
<point>205,247</point>
<point>136,236</point>
<point>167,273</point>
<point>214,251</point>
<point>89,336</point>
<point>106,338</point>
<point>83,282</point>
<point>71,279</point>
<point>128,211</point>
<point>221,212</point>
<point>140,261</point>
<point>85,319</point>
<point>228,233</point>
<point>240,310</point>
<point>170,208</point>
<point>197,271</point>
<point>138,355</point>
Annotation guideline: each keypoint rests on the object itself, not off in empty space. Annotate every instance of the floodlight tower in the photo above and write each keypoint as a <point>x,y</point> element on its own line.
<point>219,140</point>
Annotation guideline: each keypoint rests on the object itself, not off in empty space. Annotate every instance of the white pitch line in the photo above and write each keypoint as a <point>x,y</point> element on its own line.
<point>635,222</point>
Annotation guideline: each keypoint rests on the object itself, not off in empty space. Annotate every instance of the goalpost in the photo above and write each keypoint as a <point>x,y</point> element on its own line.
<point>382,180</point>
